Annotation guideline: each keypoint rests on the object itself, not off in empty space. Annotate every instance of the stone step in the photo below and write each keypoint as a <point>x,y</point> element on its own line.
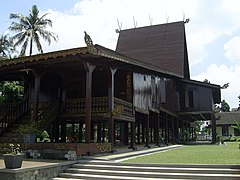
<point>112,170</point>
<point>130,167</point>
<point>65,176</point>
<point>150,174</point>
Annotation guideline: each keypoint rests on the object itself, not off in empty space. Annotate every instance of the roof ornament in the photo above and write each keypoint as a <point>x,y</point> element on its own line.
<point>187,20</point>
<point>225,86</point>
<point>119,27</point>
<point>89,43</point>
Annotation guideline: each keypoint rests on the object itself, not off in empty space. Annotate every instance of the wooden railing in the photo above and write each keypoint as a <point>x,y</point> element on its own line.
<point>125,107</point>
<point>99,104</point>
<point>10,113</point>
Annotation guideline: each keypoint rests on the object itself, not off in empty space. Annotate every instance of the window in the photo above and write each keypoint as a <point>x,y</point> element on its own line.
<point>189,99</point>
<point>225,131</point>
<point>236,132</point>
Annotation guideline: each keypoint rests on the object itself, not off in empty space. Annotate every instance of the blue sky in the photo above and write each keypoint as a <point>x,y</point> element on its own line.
<point>213,33</point>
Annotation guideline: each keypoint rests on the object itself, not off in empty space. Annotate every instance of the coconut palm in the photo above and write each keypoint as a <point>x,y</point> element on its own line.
<point>6,47</point>
<point>29,30</point>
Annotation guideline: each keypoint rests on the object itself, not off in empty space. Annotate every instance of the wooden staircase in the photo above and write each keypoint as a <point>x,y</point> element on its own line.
<point>20,114</point>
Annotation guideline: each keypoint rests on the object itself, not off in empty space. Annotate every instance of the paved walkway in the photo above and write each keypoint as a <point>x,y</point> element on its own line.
<point>120,154</point>
<point>123,154</point>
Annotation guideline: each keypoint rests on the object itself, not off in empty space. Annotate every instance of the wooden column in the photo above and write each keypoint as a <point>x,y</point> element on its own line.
<point>173,131</point>
<point>143,132</point>
<point>214,134</point>
<point>157,126</point>
<point>88,106</point>
<point>111,130</point>
<point>147,131</point>
<point>56,132</point>
<point>80,132</point>
<point>166,130</point>
<point>99,132</point>
<point>38,73</point>
<point>103,132</point>
<point>138,132</point>
<point>126,133</point>
<point>133,135</point>
<point>177,130</point>
<point>63,130</point>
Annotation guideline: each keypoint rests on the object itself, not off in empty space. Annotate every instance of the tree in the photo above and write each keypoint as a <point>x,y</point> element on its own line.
<point>6,47</point>
<point>11,91</point>
<point>29,30</point>
<point>224,106</point>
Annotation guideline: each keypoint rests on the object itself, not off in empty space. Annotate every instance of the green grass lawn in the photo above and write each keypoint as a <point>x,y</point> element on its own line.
<point>195,154</point>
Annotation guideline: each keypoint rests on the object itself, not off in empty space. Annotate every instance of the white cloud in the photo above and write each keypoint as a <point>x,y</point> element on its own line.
<point>232,48</point>
<point>99,19</point>
<point>220,75</point>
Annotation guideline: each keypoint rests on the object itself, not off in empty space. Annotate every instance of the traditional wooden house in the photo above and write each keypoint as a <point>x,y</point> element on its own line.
<point>224,121</point>
<point>141,93</point>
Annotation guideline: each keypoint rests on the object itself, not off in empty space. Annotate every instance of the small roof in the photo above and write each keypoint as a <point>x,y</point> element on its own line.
<point>227,118</point>
<point>162,45</point>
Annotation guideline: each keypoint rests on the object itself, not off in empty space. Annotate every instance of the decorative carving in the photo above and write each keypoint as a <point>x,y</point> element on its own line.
<point>88,39</point>
<point>91,48</point>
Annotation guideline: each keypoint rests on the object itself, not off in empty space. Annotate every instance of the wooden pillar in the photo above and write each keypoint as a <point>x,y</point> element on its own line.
<point>63,91</point>
<point>111,130</point>
<point>214,134</point>
<point>147,131</point>
<point>173,132</point>
<point>88,106</point>
<point>166,130</point>
<point>103,132</point>
<point>126,133</point>
<point>138,132</point>
<point>63,130</point>
<point>177,130</point>
<point>143,132</point>
<point>37,75</point>
<point>99,132</point>
<point>133,135</point>
<point>80,132</point>
<point>56,132</point>
<point>157,126</point>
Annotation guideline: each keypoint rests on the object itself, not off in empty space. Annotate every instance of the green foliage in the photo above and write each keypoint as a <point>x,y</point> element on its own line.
<point>224,106</point>
<point>32,128</point>
<point>11,91</point>
<point>29,29</point>
<point>198,125</point>
<point>6,47</point>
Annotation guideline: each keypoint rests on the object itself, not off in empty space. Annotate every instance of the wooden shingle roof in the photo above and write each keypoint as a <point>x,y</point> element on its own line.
<point>161,45</point>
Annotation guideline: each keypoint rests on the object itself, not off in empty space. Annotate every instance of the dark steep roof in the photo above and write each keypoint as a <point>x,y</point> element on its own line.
<point>161,45</point>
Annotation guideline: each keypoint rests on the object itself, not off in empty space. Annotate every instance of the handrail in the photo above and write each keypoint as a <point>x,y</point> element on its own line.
<point>13,113</point>
<point>48,114</point>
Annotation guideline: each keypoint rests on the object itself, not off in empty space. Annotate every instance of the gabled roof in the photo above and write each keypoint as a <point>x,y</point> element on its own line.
<point>161,45</point>
<point>227,118</point>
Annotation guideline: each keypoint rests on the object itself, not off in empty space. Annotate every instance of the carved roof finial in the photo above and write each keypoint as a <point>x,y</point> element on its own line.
<point>88,39</point>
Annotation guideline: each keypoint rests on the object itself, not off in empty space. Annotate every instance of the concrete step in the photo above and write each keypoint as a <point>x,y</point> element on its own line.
<point>112,170</point>
<point>141,168</point>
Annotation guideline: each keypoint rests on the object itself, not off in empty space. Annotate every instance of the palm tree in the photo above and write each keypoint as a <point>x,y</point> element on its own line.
<point>6,47</point>
<point>29,30</point>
